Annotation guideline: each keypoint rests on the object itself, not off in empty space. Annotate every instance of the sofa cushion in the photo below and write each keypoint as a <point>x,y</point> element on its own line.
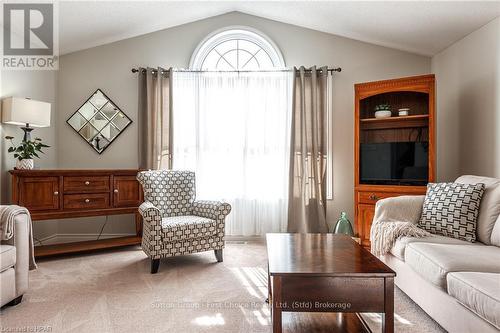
<point>7,286</point>
<point>451,209</point>
<point>434,261</point>
<point>7,256</point>
<point>177,228</point>
<point>479,292</point>
<point>489,210</point>
<point>398,250</point>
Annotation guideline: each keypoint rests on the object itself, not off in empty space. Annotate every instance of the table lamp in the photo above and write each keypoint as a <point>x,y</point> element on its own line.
<point>27,113</point>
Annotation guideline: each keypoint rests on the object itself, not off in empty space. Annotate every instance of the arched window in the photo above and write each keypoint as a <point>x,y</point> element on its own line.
<point>236,49</point>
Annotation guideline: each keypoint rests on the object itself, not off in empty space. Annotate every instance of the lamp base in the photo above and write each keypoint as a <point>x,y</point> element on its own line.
<point>27,132</point>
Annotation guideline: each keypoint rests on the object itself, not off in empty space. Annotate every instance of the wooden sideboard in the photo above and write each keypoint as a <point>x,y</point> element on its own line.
<point>60,194</point>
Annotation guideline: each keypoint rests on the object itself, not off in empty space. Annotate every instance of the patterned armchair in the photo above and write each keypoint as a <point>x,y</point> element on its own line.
<point>174,223</point>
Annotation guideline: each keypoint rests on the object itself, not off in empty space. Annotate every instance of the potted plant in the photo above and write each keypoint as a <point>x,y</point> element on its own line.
<point>383,111</point>
<point>25,152</point>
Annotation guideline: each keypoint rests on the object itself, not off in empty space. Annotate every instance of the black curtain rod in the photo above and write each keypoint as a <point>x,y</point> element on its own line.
<point>337,69</point>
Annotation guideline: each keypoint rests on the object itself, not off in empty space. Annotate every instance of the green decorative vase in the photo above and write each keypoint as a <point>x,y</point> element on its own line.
<point>343,225</point>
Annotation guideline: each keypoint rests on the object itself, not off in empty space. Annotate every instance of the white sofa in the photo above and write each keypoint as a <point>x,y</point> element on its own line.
<point>14,263</point>
<point>456,282</point>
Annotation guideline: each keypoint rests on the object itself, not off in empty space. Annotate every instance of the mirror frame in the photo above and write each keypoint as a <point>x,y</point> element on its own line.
<point>90,143</point>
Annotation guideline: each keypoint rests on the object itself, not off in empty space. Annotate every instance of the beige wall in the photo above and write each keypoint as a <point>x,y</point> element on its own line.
<point>38,85</point>
<point>108,67</point>
<point>468,105</point>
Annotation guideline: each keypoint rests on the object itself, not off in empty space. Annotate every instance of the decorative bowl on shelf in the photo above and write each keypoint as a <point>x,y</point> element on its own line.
<point>383,111</point>
<point>383,114</point>
<point>404,111</point>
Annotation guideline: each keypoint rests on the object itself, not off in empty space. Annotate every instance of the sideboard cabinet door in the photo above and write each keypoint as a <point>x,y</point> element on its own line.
<point>126,191</point>
<point>39,193</point>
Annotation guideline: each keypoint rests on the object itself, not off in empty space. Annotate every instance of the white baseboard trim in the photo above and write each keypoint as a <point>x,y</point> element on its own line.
<point>230,238</point>
<point>69,238</point>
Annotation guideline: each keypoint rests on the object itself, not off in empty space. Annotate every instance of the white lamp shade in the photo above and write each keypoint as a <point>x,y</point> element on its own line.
<point>22,111</point>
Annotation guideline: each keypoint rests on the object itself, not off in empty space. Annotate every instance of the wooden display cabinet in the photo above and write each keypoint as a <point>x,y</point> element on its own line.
<point>416,93</point>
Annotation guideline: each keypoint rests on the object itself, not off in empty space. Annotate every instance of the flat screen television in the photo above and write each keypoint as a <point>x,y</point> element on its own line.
<point>394,163</point>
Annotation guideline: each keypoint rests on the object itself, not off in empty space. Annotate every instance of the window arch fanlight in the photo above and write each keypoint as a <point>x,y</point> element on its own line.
<point>234,49</point>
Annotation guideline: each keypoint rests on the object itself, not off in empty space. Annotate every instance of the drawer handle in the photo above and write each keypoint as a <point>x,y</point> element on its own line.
<point>116,190</point>
<point>87,200</point>
<point>87,183</point>
<point>56,193</point>
<point>373,197</point>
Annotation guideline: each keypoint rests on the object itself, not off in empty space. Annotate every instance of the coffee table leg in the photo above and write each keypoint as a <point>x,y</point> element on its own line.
<point>269,300</point>
<point>388,316</point>
<point>276,301</point>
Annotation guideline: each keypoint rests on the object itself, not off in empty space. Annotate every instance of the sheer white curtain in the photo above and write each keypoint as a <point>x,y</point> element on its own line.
<point>233,130</point>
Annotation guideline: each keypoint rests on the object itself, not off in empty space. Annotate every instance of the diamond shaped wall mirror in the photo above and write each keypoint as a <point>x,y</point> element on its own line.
<point>99,121</point>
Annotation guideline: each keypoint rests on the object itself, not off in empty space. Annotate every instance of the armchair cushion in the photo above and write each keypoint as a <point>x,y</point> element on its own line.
<point>179,228</point>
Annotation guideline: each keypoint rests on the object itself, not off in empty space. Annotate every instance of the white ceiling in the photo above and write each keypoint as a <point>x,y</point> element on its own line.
<point>423,27</point>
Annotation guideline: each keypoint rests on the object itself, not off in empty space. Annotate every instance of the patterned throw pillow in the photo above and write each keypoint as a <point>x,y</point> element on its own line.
<point>451,209</point>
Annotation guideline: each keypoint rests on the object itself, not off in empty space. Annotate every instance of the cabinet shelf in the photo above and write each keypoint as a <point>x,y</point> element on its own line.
<point>395,122</point>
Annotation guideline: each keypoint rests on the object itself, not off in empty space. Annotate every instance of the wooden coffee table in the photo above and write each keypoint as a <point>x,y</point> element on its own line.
<point>327,273</point>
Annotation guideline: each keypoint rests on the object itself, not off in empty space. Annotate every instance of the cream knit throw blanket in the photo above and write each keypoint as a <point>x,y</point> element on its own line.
<point>7,217</point>
<point>395,218</point>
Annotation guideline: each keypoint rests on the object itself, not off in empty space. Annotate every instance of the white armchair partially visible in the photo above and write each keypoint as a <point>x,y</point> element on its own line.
<point>14,262</point>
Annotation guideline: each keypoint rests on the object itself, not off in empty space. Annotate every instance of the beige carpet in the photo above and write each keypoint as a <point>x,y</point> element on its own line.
<point>113,291</point>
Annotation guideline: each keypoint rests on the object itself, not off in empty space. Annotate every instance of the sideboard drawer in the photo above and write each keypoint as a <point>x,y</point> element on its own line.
<point>86,184</point>
<point>86,201</point>
<point>373,197</point>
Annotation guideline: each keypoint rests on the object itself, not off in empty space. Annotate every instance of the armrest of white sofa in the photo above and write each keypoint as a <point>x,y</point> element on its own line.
<point>406,208</point>
<point>21,242</point>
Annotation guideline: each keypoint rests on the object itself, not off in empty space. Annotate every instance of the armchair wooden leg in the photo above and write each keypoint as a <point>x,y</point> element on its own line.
<point>155,264</point>
<point>218,255</point>
<point>15,301</point>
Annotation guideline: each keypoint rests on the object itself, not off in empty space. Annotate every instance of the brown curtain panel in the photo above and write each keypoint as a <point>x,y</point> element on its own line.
<point>307,206</point>
<point>155,118</point>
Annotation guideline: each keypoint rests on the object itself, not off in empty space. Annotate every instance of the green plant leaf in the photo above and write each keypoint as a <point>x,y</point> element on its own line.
<point>26,149</point>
